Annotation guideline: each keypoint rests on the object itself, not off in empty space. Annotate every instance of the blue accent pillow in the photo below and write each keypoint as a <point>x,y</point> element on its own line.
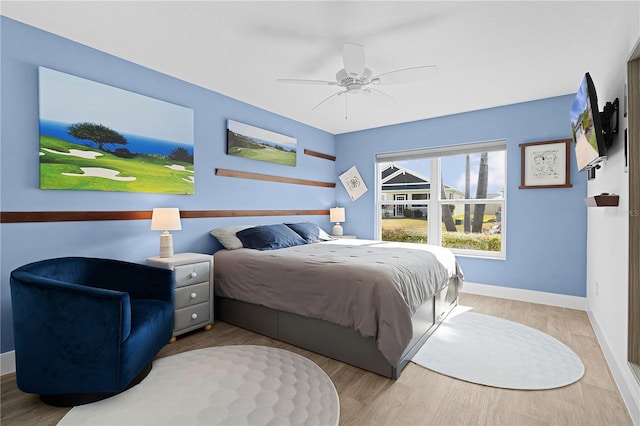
<point>269,237</point>
<point>310,232</point>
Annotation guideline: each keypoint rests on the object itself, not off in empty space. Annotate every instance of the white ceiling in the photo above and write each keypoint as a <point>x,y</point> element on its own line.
<point>489,53</point>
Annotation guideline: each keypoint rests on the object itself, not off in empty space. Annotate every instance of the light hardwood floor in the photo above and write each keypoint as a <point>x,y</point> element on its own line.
<point>420,397</point>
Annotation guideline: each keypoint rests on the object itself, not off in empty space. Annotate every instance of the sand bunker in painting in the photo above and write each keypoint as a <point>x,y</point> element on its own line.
<point>100,172</point>
<point>76,153</point>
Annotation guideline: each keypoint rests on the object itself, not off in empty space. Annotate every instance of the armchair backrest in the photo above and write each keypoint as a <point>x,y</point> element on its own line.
<point>140,281</point>
<point>65,325</point>
<point>55,300</point>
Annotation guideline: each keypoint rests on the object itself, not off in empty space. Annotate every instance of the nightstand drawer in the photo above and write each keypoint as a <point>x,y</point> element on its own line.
<point>192,273</point>
<point>192,316</point>
<point>192,295</point>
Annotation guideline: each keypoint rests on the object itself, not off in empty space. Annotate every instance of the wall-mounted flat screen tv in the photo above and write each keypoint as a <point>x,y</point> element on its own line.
<point>586,126</point>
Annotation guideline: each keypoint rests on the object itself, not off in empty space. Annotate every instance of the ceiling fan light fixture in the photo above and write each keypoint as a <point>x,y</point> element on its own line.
<point>355,78</point>
<point>355,88</point>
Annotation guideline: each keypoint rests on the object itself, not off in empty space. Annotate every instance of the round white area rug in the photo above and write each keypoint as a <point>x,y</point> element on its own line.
<point>496,352</point>
<point>226,385</point>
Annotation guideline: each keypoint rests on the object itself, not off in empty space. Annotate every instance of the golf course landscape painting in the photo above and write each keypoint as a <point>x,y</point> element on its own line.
<point>96,137</point>
<point>252,142</point>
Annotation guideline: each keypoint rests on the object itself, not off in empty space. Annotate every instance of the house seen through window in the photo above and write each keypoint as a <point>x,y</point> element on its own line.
<point>448,196</point>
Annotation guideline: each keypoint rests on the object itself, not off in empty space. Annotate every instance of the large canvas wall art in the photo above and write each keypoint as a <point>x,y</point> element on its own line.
<point>97,137</point>
<point>252,142</point>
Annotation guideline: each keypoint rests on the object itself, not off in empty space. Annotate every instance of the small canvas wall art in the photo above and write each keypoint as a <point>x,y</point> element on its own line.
<point>96,137</point>
<point>353,183</point>
<point>252,142</point>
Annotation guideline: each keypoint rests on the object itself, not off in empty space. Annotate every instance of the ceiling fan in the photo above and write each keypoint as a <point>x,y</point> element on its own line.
<point>356,79</point>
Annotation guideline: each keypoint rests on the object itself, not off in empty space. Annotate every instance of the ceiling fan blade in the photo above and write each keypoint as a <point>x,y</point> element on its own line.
<point>407,75</point>
<point>330,100</point>
<point>353,58</point>
<point>302,81</point>
<point>380,98</point>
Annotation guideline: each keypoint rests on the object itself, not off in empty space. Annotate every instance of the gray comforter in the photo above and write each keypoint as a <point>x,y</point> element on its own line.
<point>371,286</point>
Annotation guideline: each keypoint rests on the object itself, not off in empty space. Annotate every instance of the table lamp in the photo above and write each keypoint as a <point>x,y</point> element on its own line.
<point>166,219</point>
<point>336,215</point>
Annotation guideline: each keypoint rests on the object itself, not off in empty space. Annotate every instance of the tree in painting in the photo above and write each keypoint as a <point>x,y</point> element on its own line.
<point>181,154</point>
<point>97,133</point>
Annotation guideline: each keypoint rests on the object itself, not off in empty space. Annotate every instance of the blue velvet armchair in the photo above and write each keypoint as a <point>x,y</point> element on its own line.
<point>88,328</point>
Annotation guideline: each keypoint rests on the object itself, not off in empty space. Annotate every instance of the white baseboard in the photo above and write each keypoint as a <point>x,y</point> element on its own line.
<point>7,362</point>
<point>622,374</point>
<point>552,299</point>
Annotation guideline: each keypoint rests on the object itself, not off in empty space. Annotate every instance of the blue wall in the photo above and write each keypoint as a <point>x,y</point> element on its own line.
<point>24,48</point>
<point>546,236</point>
<point>546,228</point>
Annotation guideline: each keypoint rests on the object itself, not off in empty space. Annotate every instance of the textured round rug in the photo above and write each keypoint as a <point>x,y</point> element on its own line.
<point>496,352</point>
<point>226,385</point>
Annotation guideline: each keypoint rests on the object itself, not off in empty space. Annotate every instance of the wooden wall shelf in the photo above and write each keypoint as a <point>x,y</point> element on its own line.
<point>602,200</point>
<point>95,216</point>
<point>258,176</point>
<point>320,155</point>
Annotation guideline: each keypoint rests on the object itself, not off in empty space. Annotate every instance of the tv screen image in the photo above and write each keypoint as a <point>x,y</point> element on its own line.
<point>586,127</point>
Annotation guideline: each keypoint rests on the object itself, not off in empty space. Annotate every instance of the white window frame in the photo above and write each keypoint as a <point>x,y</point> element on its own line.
<point>434,204</point>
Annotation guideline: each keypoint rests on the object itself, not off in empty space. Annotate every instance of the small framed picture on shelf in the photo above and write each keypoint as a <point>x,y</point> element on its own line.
<point>545,164</point>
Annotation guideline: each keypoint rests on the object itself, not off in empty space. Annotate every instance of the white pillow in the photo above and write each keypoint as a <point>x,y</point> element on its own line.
<point>227,236</point>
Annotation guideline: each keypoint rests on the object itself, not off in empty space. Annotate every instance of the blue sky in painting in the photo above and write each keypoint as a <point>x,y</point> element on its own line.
<point>261,134</point>
<point>69,99</point>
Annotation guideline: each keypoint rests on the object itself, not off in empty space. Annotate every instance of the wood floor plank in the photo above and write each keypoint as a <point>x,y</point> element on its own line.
<point>420,396</point>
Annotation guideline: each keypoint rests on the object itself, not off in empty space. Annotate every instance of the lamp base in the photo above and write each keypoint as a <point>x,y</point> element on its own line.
<point>166,244</point>
<point>337,230</point>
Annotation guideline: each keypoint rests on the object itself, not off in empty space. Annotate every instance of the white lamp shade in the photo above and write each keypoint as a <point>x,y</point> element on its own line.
<point>166,219</point>
<point>336,214</point>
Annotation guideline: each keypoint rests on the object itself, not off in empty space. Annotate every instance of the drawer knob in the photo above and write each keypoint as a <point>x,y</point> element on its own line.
<point>194,316</point>
<point>193,274</point>
<point>193,295</point>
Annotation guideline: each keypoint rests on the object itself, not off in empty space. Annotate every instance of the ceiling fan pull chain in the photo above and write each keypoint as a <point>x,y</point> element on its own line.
<point>346,112</point>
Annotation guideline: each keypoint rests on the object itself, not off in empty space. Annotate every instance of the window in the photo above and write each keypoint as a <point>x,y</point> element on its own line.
<point>465,211</point>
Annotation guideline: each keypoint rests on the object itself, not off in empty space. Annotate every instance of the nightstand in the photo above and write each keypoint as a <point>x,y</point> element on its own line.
<point>193,284</point>
<point>346,237</point>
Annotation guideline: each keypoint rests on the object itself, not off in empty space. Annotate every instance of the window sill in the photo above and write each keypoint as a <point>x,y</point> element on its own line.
<point>479,255</point>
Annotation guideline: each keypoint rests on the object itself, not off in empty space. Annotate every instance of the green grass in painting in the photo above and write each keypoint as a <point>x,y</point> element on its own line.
<point>244,146</point>
<point>150,171</point>
<point>266,154</point>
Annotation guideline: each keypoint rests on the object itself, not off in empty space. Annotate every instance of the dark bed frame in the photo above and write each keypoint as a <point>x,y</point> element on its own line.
<point>335,341</point>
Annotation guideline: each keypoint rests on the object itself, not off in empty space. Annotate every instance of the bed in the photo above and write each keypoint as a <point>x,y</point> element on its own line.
<point>368,303</point>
